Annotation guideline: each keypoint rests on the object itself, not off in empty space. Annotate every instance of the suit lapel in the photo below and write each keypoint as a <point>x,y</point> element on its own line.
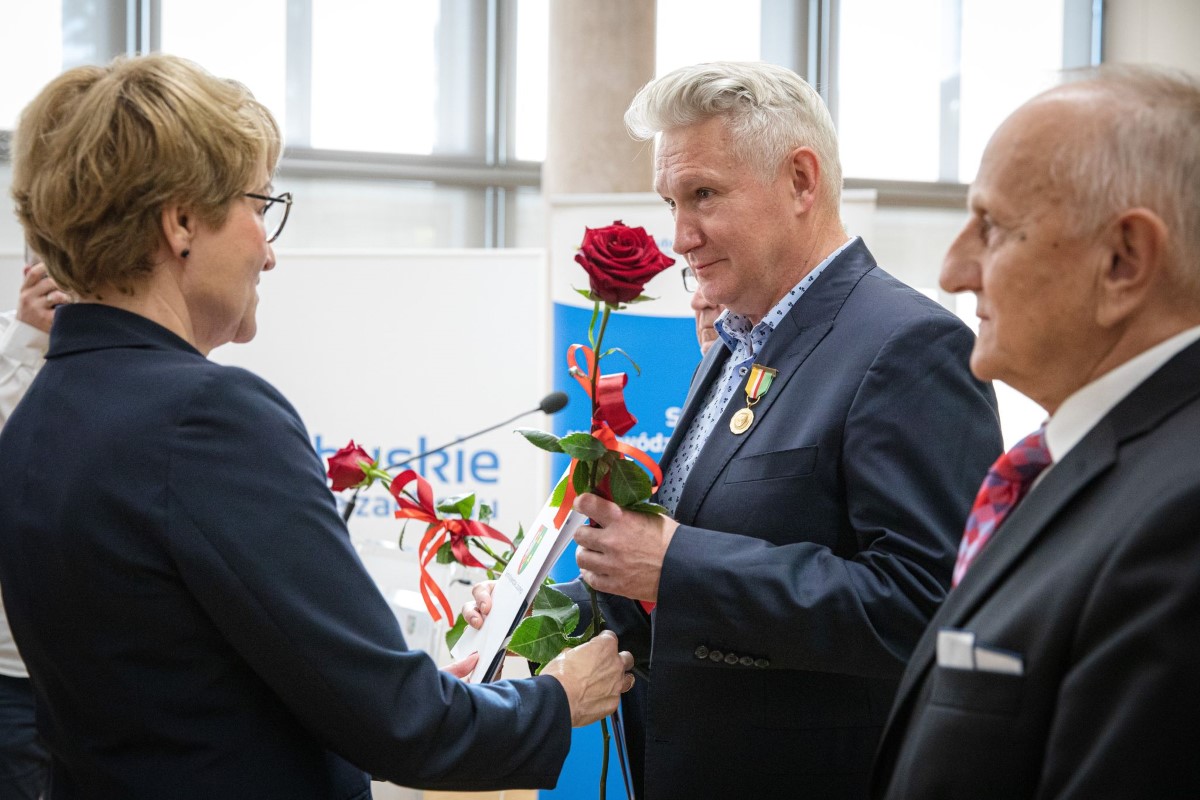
<point>1163,393</point>
<point>1088,459</point>
<point>792,341</point>
<point>1017,534</point>
<point>706,373</point>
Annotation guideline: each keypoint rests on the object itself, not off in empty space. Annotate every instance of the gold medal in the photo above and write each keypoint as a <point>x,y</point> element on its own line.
<point>757,385</point>
<point>741,421</point>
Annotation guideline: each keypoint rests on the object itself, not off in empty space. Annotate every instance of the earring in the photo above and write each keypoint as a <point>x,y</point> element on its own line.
<point>184,254</point>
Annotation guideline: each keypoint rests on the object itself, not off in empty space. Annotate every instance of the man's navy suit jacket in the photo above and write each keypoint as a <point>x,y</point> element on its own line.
<point>1093,582</point>
<point>813,548</point>
<point>195,620</point>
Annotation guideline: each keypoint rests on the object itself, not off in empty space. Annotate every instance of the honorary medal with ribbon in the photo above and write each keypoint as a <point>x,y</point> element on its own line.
<point>757,385</point>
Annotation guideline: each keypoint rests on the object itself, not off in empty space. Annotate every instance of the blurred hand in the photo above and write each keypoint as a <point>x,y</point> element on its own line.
<point>461,669</point>
<point>622,551</point>
<point>477,610</point>
<point>594,675</point>
<point>39,295</point>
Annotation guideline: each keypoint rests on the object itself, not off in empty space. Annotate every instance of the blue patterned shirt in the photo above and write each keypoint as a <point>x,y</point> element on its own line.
<point>743,340</point>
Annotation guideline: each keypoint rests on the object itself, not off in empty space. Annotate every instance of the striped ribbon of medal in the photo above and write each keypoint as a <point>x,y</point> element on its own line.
<point>757,386</point>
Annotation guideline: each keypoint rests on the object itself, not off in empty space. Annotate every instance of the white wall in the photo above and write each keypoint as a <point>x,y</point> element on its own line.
<point>1153,32</point>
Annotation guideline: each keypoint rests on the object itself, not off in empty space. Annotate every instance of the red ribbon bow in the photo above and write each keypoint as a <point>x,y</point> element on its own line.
<point>610,391</point>
<point>456,531</point>
<point>611,420</point>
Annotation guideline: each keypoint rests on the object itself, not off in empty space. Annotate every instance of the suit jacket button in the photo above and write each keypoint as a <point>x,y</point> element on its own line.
<point>715,655</point>
<point>746,661</point>
<point>701,652</point>
<point>731,658</point>
<point>761,662</point>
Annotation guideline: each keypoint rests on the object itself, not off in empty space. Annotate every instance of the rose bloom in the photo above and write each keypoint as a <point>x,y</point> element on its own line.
<point>619,261</point>
<point>345,469</point>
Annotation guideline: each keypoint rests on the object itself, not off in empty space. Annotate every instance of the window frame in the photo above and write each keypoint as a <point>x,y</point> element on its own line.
<point>799,34</point>
<point>802,35</point>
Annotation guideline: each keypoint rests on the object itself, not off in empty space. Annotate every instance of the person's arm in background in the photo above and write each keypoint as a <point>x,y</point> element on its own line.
<point>24,336</point>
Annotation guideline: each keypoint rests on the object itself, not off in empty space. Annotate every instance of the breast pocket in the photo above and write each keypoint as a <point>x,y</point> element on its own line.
<point>977,690</point>
<point>770,466</point>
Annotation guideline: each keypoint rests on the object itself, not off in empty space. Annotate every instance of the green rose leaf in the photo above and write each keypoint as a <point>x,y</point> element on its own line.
<point>595,316</point>
<point>455,633</point>
<point>546,441</point>
<point>612,350</point>
<point>582,446</point>
<point>560,493</point>
<point>445,555</point>
<point>539,639</point>
<point>648,508</point>
<point>579,478</point>
<point>463,505</point>
<point>629,484</point>
<point>553,603</point>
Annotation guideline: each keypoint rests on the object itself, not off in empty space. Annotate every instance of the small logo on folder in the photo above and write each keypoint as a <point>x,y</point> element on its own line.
<point>537,541</point>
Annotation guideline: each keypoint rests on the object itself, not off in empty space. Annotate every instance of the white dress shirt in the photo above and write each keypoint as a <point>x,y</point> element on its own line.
<point>1080,412</point>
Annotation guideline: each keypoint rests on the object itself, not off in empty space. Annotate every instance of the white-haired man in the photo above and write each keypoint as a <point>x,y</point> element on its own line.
<point>1066,663</point>
<point>827,454</point>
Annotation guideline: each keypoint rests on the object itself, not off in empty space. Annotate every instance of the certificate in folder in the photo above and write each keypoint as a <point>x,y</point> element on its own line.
<point>515,589</point>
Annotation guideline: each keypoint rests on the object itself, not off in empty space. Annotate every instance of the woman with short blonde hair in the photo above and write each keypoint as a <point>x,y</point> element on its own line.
<point>195,620</point>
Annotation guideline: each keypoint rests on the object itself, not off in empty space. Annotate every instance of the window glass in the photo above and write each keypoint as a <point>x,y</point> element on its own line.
<point>252,51</point>
<point>375,86</point>
<point>994,83</point>
<point>921,85</point>
<point>889,80</point>
<point>31,53</point>
<point>527,226</point>
<point>533,63</point>
<point>691,31</point>
<point>332,213</point>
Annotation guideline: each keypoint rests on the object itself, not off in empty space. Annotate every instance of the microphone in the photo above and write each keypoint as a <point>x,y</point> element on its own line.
<point>550,404</point>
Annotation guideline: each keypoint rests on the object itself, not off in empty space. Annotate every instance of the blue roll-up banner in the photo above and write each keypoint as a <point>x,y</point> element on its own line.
<point>661,337</point>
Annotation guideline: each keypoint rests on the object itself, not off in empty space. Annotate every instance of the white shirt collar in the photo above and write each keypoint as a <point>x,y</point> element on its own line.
<point>1080,412</point>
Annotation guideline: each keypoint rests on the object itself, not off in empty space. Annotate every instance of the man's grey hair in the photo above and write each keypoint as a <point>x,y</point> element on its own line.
<point>1144,152</point>
<point>769,110</point>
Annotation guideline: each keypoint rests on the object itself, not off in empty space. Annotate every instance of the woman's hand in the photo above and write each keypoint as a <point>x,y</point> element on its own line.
<point>461,669</point>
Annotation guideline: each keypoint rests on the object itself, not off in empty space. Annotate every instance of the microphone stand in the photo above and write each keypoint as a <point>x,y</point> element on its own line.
<point>551,404</point>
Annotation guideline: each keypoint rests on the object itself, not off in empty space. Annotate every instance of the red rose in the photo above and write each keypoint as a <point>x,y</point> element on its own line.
<point>620,261</point>
<point>345,467</point>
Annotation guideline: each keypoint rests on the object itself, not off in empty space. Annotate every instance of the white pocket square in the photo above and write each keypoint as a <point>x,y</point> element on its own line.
<point>957,649</point>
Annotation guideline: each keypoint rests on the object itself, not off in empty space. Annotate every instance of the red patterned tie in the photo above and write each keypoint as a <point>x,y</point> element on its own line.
<point>1005,484</point>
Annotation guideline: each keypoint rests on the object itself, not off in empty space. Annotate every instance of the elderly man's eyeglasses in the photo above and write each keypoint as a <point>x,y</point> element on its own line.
<point>274,213</point>
<point>690,283</point>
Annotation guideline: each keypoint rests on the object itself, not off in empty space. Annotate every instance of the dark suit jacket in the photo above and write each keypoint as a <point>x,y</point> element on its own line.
<point>1094,581</point>
<point>195,620</point>
<point>813,548</point>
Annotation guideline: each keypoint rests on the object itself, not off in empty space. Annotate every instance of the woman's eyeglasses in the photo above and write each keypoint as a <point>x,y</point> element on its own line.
<point>274,213</point>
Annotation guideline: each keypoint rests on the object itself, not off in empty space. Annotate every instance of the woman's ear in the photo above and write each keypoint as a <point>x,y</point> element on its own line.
<point>178,229</point>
